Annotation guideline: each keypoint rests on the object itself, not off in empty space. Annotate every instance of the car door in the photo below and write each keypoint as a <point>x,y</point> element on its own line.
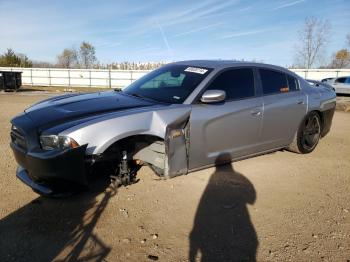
<point>230,128</point>
<point>285,106</point>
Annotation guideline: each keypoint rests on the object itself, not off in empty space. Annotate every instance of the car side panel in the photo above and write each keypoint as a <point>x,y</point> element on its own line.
<point>232,127</point>
<point>282,115</point>
<point>319,98</point>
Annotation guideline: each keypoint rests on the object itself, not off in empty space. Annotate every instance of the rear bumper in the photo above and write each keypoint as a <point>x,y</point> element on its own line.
<point>51,172</point>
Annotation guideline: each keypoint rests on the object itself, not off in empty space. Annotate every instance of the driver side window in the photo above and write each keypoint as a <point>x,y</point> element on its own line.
<point>237,83</point>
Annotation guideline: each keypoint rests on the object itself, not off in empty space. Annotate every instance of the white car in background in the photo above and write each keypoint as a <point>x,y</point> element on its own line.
<point>340,84</point>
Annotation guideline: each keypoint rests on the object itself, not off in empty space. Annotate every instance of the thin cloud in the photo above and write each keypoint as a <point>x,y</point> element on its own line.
<point>177,16</point>
<point>147,49</point>
<point>198,29</point>
<point>245,33</point>
<point>108,44</point>
<point>245,8</point>
<point>228,11</point>
<point>288,4</point>
<point>182,16</point>
<point>198,12</point>
<point>165,39</point>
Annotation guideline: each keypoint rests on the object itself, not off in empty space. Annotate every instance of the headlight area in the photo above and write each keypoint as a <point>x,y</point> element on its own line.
<point>52,142</point>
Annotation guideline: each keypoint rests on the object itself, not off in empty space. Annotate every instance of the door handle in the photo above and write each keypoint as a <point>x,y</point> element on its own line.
<point>300,102</point>
<point>255,113</point>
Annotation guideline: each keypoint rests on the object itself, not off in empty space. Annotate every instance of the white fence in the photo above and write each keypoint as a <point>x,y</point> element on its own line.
<point>77,77</point>
<point>318,74</point>
<point>120,78</point>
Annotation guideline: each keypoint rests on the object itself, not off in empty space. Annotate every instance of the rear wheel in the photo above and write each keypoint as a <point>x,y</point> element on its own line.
<point>308,134</point>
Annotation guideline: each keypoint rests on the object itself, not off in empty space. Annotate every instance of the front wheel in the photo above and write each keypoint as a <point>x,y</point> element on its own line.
<point>308,134</point>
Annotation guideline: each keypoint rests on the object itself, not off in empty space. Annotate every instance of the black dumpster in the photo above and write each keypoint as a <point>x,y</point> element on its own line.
<point>1,81</point>
<point>10,80</point>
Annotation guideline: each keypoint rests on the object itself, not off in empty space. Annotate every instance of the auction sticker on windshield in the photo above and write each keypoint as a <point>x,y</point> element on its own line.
<point>196,70</point>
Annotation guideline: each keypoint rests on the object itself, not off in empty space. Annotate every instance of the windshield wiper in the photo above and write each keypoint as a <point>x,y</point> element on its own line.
<point>140,96</point>
<point>145,98</point>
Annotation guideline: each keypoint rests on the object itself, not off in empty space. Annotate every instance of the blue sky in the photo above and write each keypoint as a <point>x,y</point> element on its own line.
<point>158,30</point>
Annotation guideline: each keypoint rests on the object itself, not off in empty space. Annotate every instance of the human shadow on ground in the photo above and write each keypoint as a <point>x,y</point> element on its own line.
<point>222,229</point>
<point>57,229</point>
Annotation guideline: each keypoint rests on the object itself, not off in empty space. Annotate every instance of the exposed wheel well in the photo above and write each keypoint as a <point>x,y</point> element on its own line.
<point>147,149</point>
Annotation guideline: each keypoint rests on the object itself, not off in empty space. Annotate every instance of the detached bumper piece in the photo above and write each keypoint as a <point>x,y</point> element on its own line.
<point>52,173</point>
<point>22,174</point>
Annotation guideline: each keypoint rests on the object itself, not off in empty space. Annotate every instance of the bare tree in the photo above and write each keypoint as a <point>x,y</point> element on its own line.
<point>87,55</point>
<point>24,60</point>
<point>313,38</point>
<point>68,58</point>
<point>348,39</point>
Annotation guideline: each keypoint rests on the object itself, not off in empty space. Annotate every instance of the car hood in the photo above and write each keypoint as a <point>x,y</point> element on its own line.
<point>66,108</point>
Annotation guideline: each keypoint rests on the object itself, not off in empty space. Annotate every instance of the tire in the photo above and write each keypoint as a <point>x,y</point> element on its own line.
<point>308,134</point>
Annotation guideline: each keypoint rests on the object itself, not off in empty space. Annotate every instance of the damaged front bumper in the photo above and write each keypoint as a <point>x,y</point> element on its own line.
<point>52,172</point>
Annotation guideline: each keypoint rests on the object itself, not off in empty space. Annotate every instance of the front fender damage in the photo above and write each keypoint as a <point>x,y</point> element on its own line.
<point>167,157</point>
<point>169,125</point>
<point>176,148</point>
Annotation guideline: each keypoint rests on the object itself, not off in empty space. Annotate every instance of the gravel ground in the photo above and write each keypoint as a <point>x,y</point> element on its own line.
<point>343,103</point>
<point>276,207</point>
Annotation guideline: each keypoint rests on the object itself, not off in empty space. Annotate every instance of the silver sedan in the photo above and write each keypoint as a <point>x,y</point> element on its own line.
<point>179,118</point>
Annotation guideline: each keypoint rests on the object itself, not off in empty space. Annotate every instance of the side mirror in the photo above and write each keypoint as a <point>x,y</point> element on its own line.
<point>213,96</point>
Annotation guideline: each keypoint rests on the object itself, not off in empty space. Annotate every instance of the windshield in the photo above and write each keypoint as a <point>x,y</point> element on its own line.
<point>169,84</point>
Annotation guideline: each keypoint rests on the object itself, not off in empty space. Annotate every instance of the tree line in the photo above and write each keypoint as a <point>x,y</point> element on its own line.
<point>83,57</point>
<point>310,52</point>
<point>11,59</point>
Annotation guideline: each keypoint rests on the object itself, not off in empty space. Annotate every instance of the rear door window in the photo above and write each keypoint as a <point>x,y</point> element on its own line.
<point>273,82</point>
<point>292,83</point>
<point>237,83</point>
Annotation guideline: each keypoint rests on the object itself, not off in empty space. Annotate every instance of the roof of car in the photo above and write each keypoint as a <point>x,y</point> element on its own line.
<point>218,64</point>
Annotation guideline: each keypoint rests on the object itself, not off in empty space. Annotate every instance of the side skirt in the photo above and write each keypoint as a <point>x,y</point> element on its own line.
<point>238,159</point>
